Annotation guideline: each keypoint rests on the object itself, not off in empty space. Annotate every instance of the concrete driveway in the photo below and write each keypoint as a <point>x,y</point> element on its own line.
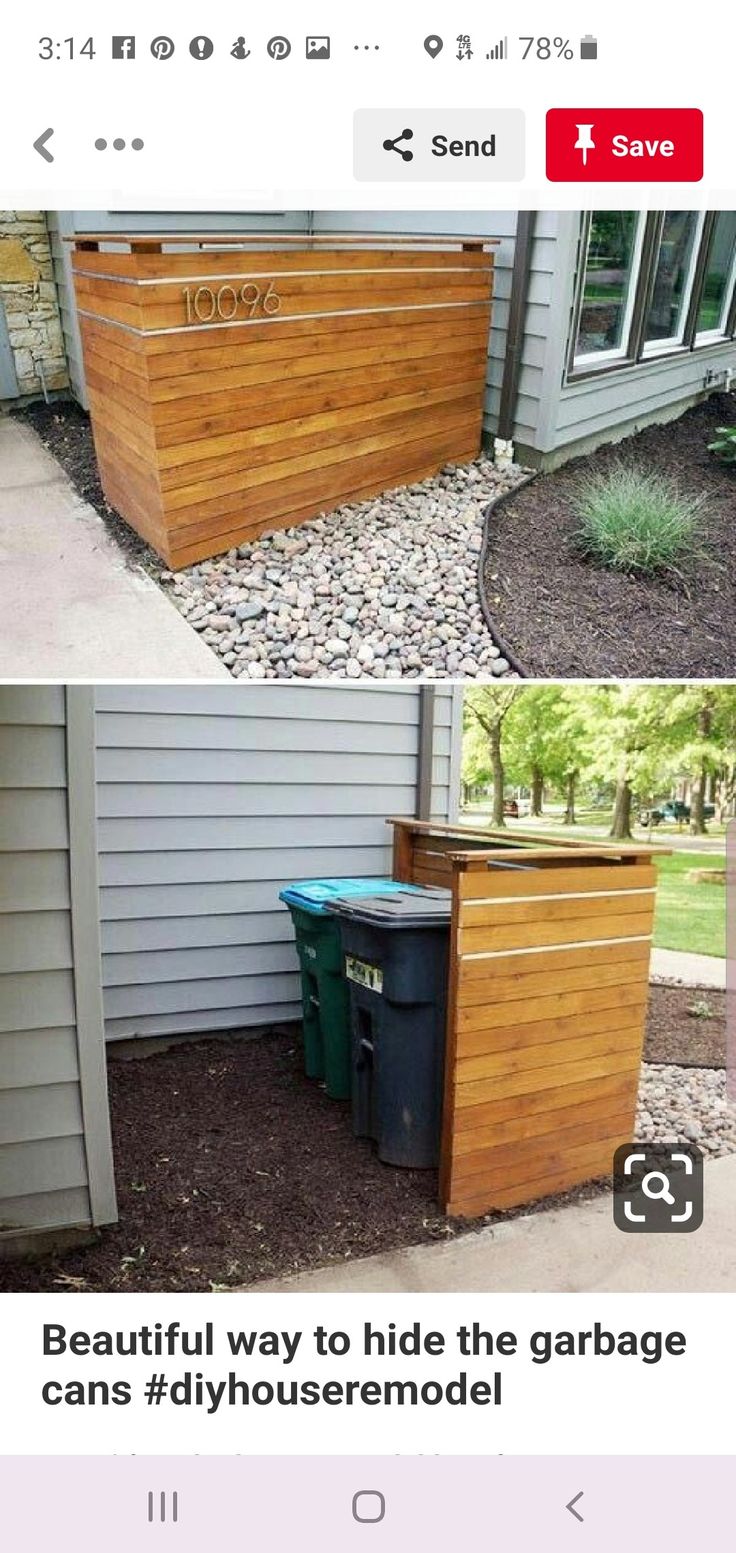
<point>71,607</point>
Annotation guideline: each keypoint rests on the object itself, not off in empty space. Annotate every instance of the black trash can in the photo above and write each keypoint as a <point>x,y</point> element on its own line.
<point>395,957</point>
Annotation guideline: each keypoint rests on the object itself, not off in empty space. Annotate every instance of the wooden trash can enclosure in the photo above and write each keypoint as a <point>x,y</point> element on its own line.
<point>249,383</point>
<point>547,998</point>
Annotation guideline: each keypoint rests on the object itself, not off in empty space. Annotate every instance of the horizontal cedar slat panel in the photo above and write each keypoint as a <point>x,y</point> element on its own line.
<point>581,929</point>
<point>536,1157</point>
<point>118,345</point>
<point>589,1165</point>
<point>534,1079</point>
<point>483,1119</point>
<point>184,554</point>
<point>475,884</point>
<point>400,433</point>
<point>292,492</point>
<point>311,433</point>
<point>351,288</point>
<point>433,876</point>
<point>555,909</point>
<point>472,1043</point>
<point>187,353</point>
<point>555,1005</point>
<point>130,429</point>
<point>548,1053</point>
<point>260,261</point>
<point>524,1155</point>
<point>241,407</point>
<point>514,968</point>
<point>508,988</point>
<point>618,1100</point>
<point>176,391</point>
<point>104,300</point>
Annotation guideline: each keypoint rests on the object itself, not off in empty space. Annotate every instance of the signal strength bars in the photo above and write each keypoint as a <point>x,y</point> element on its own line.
<point>501,50</point>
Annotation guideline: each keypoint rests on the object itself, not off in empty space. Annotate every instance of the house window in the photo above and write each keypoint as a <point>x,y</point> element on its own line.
<point>609,284</point>
<point>673,274</point>
<point>718,282</point>
<point>651,285</point>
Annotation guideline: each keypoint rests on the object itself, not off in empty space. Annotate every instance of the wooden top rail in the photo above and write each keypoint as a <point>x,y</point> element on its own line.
<point>146,240</point>
<point>527,844</point>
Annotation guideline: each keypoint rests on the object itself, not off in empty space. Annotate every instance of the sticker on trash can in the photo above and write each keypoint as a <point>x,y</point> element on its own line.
<point>310,951</point>
<point>370,976</point>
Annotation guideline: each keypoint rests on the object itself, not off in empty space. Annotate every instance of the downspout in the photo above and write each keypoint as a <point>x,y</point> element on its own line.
<point>518,303</point>
<point>425,752</point>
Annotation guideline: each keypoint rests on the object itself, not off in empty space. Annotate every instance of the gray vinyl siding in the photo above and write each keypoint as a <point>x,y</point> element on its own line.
<point>209,801</point>
<point>60,224</point>
<point>653,390</point>
<point>8,379</point>
<point>43,1168</point>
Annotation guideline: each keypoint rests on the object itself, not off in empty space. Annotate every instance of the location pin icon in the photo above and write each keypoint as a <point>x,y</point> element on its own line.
<point>433,45</point>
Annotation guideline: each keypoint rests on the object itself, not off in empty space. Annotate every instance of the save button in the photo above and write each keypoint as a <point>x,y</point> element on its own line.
<point>625,145</point>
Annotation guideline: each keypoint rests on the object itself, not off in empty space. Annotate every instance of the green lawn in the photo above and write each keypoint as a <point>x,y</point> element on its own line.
<point>690,916</point>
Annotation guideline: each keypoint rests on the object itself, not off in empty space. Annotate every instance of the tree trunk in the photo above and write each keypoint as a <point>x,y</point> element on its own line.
<point>700,789</point>
<point>621,826</point>
<point>697,811</point>
<point>494,742</point>
<point>712,787</point>
<point>537,791</point>
<point>570,786</point>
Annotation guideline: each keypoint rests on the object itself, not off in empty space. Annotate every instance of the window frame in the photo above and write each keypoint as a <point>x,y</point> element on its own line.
<point>669,346</point>
<point>727,323</point>
<point>599,360</point>
<point>635,350</point>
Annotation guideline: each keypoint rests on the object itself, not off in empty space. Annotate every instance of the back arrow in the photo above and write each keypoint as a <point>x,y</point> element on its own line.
<point>573,1502</point>
<point>40,145</point>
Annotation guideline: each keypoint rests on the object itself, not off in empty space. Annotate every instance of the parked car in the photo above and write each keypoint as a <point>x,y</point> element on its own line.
<point>511,808</point>
<point>674,810</point>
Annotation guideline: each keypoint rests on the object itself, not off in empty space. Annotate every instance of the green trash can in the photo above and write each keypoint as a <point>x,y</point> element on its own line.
<point>325,996</point>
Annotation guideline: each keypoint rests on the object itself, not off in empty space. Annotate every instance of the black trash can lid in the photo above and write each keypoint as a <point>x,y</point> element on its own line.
<point>430,907</point>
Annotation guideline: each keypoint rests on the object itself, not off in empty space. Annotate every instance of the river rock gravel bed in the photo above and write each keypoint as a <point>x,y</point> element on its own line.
<point>686,1105</point>
<point>383,589</point>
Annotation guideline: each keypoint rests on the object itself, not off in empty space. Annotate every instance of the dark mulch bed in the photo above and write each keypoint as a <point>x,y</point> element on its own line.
<point>562,615</point>
<point>64,428</point>
<point>231,1167</point>
<point>686,1026</point>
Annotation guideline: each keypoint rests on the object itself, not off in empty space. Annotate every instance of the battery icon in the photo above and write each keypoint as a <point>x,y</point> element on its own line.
<point>588,47</point>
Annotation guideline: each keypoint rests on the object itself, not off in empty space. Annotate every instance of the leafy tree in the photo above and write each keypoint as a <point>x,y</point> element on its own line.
<point>489,706</point>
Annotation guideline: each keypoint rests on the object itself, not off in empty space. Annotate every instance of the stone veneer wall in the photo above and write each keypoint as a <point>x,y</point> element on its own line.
<point>28,295</point>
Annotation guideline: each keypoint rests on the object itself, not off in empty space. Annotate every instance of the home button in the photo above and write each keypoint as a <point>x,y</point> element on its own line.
<point>369,1507</point>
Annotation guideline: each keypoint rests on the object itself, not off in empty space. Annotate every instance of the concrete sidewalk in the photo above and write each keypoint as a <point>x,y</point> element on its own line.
<point>70,605</point>
<point>693,970</point>
<point>569,1250</point>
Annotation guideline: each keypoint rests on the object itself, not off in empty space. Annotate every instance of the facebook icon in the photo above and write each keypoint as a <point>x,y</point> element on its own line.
<point>123,48</point>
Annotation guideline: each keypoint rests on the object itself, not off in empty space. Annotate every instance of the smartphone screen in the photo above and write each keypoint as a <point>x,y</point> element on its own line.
<point>367,774</point>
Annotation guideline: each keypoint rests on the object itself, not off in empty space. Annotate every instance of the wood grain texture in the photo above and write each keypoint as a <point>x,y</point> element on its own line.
<point>547,1000</point>
<point>371,375</point>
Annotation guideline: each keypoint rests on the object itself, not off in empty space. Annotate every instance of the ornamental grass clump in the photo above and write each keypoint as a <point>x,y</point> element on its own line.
<point>724,446</point>
<point>636,521</point>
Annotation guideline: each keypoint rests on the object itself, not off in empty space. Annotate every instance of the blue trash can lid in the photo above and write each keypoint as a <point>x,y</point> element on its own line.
<point>410,905</point>
<point>314,894</point>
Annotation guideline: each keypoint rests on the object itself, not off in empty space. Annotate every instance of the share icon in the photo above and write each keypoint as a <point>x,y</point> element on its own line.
<point>394,145</point>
